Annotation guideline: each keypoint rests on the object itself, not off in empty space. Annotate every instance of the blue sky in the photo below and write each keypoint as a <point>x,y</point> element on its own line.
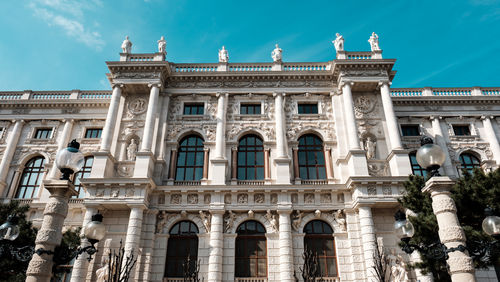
<point>63,44</point>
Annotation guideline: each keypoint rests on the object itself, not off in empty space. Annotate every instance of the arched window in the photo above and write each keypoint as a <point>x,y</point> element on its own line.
<point>251,250</point>
<point>182,244</point>
<point>311,157</point>
<point>190,159</point>
<point>250,158</point>
<point>30,179</point>
<point>83,173</point>
<point>415,167</point>
<point>319,239</point>
<point>469,162</point>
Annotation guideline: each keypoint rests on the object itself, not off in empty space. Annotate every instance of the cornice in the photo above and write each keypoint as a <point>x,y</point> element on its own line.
<point>54,104</point>
<point>398,101</point>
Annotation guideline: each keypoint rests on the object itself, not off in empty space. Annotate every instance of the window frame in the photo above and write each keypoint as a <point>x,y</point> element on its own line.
<point>84,172</point>
<point>50,131</point>
<point>249,150</point>
<point>31,170</point>
<point>475,162</point>
<point>403,126</point>
<point>198,105</point>
<point>244,239</point>
<point>188,150</point>
<point>176,241</point>
<point>91,129</point>
<point>307,104</point>
<point>462,126</point>
<point>253,105</point>
<point>324,236</point>
<point>303,150</point>
<point>415,167</point>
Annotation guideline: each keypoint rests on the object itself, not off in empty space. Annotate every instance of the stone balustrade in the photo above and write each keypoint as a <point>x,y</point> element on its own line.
<point>55,95</point>
<point>359,55</point>
<point>465,91</point>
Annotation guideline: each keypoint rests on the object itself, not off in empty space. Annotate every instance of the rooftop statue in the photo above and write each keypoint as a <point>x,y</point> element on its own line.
<point>223,55</point>
<point>374,42</point>
<point>338,42</point>
<point>162,44</point>
<point>126,46</point>
<point>277,54</point>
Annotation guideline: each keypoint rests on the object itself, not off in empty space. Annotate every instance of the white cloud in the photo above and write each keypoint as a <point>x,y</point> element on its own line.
<point>69,16</point>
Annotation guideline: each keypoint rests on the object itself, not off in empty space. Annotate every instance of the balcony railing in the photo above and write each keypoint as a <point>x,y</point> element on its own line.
<point>439,92</point>
<point>173,279</point>
<point>55,95</point>
<point>251,279</point>
<point>314,182</point>
<point>251,182</point>
<point>187,183</point>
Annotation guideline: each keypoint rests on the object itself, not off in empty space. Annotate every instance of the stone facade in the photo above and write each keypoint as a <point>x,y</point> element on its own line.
<point>359,120</point>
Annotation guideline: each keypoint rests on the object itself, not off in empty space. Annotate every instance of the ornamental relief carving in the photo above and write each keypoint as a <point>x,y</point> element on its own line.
<point>39,265</point>
<point>364,73</point>
<point>378,169</point>
<point>249,84</point>
<point>269,108</point>
<point>174,109</point>
<point>56,208</point>
<point>137,75</point>
<point>136,106</point>
<point>365,106</point>
<point>460,264</point>
<point>443,204</point>
<point>327,129</point>
<point>451,234</point>
<point>237,128</point>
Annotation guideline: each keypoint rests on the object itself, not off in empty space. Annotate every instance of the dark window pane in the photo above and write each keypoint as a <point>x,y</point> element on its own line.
<point>43,133</point>
<point>193,109</point>
<point>461,130</point>
<point>410,130</point>
<point>31,178</point>
<point>250,157</point>
<point>190,159</point>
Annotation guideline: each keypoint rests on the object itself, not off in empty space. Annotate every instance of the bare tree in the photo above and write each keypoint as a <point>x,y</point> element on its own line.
<point>191,269</point>
<point>310,270</point>
<point>119,270</point>
<point>381,263</point>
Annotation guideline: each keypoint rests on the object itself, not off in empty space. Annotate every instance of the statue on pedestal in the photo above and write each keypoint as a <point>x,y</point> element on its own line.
<point>370,147</point>
<point>131,150</point>
<point>374,42</point>
<point>126,46</point>
<point>277,54</point>
<point>338,42</point>
<point>162,44</point>
<point>223,55</point>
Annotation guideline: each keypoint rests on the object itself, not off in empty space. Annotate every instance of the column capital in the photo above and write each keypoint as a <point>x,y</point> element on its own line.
<point>234,148</point>
<point>345,82</point>
<point>221,94</point>
<point>384,82</point>
<point>435,118</point>
<point>21,121</point>
<point>137,206</point>
<point>335,92</point>
<point>486,117</point>
<point>70,120</point>
<point>285,210</point>
<point>120,85</point>
<point>205,149</point>
<point>275,94</point>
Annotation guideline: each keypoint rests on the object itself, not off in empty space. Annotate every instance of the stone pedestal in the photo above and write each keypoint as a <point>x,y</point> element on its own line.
<point>218,171</point>
<point>399,163</point>
<point>103,166</point>
<point>356,162</point>
<point>451,233</point>
<point>282,170</point>
<point>50,234</point>
<point>144,165</point>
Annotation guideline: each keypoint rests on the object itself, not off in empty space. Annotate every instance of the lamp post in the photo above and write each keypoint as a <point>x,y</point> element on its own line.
<point>452,237</point>
<point>68,161</point>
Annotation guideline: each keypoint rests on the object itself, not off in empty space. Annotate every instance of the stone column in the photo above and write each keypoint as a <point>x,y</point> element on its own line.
<point>441,141</point>
<point>205,163</point>
<point>296,163</point>
<point>390,116</point>
<point>234,164</point>
<point>328,162</point>
<point>352,128</point>
<point>267,175</point>
<point>368,239</point>
<point>216,247</point>
<point>109,126</point>
<point>219,161</point>
<point>80,267</point>
<point>451,233</point>
<point>398,158</point>
<point>133,237</point>
<point>50,234</point>
<point>282,161</point>
<point>163,126</point>
<point>8,154</point>
<point>286,246</point>
<point>173,162</point>
<point>221,126</point>
<point>61,144</point>
<point>147,136</point>
<point>280,127</point>
<point>492,138</point>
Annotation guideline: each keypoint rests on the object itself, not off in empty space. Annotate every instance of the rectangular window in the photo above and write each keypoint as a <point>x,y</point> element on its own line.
<point>410,130</point>
<point>43,133</point>
<point>461,130</point>
<point>194,109</point>
<point>308,108</point>
<point>93,133</point>
<point>250,109</point>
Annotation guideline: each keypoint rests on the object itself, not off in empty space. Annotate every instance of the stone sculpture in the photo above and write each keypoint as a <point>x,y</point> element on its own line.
<point>229,221</point>
<point>277,54</point>
<point>370,147</point>
<point>339,216</point>
<point>338,42</point>
<point>223,55</point>
<point>126,46</point>
<point>131,150</point>
<point>297,220</point>
<point>374,42</point>
<point>272,220</point>
<point>162,44</point>
<point>205,218</point>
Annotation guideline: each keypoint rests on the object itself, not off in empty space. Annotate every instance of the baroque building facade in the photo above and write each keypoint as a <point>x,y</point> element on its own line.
<point>242,166</point>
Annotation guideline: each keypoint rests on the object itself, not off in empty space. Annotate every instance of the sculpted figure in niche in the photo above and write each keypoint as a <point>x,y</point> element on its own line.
<point>297,219</point>
<point>205,218</point>
<point>162,45</point>
<point>339,42</point>
<point>131,150</point>
<point>339,216</point>
<point>126,46</point>
<point>272,220</point>
<point>374,42</point>
<point>223,55</point>
<point>397,268</point>
<point>229,221</point>
<point>370,147</point>
<point>277,54</point>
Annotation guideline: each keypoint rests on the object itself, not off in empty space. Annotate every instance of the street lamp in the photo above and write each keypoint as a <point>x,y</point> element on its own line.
<point>69,160</point>
<point>430,156</point>
<point>9,230</point>
<point>491,224</point>
<point>94,231</point>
